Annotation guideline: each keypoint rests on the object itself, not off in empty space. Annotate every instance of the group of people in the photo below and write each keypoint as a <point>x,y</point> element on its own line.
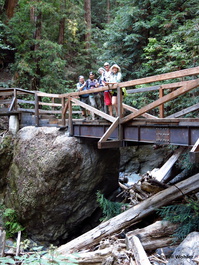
<point>101,100</point>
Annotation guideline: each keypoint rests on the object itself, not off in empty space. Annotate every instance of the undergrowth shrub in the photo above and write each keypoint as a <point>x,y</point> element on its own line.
<point>109,208</point>
<point>11,223</point>
<point>185,215</point>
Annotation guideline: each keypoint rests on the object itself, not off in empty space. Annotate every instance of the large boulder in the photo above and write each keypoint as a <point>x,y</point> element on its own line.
<point>187,252</point>
<point>53,180</point>
<point>6,155</point>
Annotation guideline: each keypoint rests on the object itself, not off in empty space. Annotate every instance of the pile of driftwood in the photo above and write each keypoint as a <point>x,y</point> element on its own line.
<point>117,242</point>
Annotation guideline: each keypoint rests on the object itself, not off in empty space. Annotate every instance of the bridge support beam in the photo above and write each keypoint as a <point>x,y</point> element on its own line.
<point>13,124</point>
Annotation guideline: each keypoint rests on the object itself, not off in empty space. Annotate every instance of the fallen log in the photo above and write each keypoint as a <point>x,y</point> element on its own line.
<point>156,230</point>
<point>156,235</point>
<point>138,251</point>
<point>162,172</point>
<point>131,216</point>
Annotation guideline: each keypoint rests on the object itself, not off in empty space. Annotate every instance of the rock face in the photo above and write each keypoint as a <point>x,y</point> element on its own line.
<point>6,155</point>
<point>143,158</point>
<point>53,180</point>
<point>187,252</point>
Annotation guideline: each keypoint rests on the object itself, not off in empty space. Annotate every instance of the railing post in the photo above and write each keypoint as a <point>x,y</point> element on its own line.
<point>63,111</point>
<point>120,113</point>
<point>15,98</point>
<point>161,107</point>
<point>70,118</point>
<point>53,101</point>
<point>36,110</point>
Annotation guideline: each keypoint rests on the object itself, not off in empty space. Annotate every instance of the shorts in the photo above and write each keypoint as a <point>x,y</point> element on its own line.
<point>85,100</point>
<point>107,98</point>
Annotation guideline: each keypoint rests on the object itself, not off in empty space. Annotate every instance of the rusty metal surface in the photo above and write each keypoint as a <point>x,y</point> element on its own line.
<point>164,134</point>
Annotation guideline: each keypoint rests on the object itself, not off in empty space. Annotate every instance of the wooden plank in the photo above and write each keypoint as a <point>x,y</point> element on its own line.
<point>65,109</point>
<point>36,110</point>
<point>26,101</point>
<point>175,85</point>
<point>184,111</point>
<point>2,242</point>
<point>109,144</point>
<point>161,77</point>
<point>180,91</point>
<point>18,243</point>
<point>120,113</point>
<point>161,107</point>
<point>132,109</point>
<point>139,252</point>
<point>50,104</point>
<point>43,94</point>
<point>5,101</point>
<point>26,110</point>
<point>92,109</point>
<point>50,111</point>
<point>195,147</point>
<point>90,91</point>
<point>70,118</point>
<point>24,91</point>
<point>63,116</point>
<point>142,89</point>
<point>11,108</point>
<point>110,130</point>
<point>161,173</point>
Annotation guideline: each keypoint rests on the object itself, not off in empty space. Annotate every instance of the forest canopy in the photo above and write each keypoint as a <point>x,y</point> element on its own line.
<point>47,44</point>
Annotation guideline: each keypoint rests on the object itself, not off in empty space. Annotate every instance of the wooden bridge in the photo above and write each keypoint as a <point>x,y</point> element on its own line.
<point>138,126</point>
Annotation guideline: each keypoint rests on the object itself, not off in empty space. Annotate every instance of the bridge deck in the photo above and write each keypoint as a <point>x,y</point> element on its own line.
<point>183,132</point>
<point>139,126</point>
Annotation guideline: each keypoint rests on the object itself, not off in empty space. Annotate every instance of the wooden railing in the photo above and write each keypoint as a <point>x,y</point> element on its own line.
<point>16,100</point>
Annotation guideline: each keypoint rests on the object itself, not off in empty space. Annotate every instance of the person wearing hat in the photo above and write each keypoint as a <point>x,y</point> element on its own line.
<point>105,73</point>
<point>81,86</point>
<point>115,77</point>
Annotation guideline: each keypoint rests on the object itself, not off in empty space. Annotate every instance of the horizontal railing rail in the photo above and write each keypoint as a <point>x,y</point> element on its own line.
<point>65,106</point>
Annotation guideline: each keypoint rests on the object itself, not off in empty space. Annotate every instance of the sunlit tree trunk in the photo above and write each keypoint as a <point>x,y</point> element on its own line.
<point>10,6</point>
<point>108,11</point>
<point>36,19</point>
<point>87,16</point>
<point>62,23</point>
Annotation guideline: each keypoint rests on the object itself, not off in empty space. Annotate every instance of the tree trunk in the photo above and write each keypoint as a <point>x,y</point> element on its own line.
<point>87,16</point>
<point>132,216</point>
<point>61,31</point>
<point>37,21</point>
<point>10,6</point>
<point>62,23</point>
<point>108,11</point>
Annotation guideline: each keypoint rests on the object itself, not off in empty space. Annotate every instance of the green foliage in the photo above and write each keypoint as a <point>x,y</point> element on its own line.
<point>12,226</point>
<point>185,215</point>
<point>40,257</point>
<point>109,209</point>
<point>151,37</point>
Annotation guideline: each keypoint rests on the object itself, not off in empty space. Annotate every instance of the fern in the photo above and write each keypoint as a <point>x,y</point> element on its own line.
<point>185,215</point>
<point>109,208</point>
